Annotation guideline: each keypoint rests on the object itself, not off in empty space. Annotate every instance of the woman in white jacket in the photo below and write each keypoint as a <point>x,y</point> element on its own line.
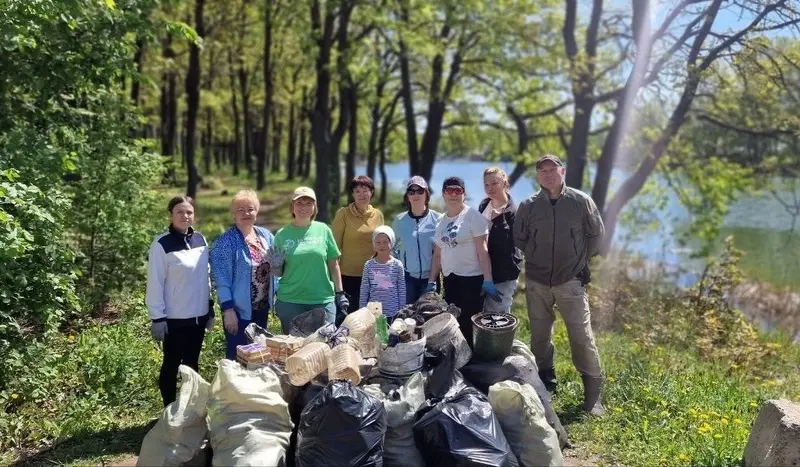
<point>178,294</point>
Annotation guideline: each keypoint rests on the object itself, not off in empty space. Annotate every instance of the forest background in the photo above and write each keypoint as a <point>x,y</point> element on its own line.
<point>679,117</point>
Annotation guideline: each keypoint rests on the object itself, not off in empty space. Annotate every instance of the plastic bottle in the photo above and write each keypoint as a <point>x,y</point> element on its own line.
<point>382,329</point>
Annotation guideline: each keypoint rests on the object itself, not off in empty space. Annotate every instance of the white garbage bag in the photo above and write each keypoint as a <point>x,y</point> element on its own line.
<point>248,417</point>
<point>521,416</point>
<point>179,434</point>
<point>401,404</point>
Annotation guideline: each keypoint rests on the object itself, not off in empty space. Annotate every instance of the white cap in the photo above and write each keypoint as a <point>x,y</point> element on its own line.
<point>303,192</point>
<point>386,230</point>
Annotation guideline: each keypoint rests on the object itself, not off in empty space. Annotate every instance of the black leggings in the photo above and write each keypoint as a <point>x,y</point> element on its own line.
<point>181,347</point>
<point>465,293</point>
<point>352,287</point>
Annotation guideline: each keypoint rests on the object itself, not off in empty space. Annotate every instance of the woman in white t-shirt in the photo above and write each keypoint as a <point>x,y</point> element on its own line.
<point>462,254</point>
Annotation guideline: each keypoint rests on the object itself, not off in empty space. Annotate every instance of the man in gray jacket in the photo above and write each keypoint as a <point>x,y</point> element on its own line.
<point>558,229</point>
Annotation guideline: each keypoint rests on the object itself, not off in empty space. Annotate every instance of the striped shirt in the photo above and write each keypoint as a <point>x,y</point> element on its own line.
<point>384,283</point>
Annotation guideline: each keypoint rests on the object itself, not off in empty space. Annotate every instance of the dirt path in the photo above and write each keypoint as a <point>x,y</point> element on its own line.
<point>269,214</point>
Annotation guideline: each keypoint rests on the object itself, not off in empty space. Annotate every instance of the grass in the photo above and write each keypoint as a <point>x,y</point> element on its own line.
<point>92,396</point>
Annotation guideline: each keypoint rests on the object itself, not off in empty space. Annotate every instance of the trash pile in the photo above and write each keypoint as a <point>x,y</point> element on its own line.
<point>365,393</point>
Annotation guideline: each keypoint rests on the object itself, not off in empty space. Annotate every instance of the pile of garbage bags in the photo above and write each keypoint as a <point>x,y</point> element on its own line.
<point>305,409</point>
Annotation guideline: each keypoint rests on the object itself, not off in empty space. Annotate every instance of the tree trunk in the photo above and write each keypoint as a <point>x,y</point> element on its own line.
<point>440,91</point>
<point>522,145</point>
<point>138,60</point>
<point>193,100</point>
<point>579,141</point>
<point>247,125</point>
<point>382,167</point>
<point>169,109</point>
<point>633,184</point>
<point>385,129</point>
<point>268,101</point>
<point>583,85</point>
<point>291,145</point>
<point>277,135</point>
<point>320,120</point>
<point>326,143</point>
<point>352,142</point>
<point>237,122</point>
<point>374,129</point>
<point>622,114</point>
<point>408,102</point>
<point>304,142</point>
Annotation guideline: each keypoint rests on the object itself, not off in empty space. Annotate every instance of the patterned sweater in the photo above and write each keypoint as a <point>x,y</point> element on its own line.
<point>384,283</point>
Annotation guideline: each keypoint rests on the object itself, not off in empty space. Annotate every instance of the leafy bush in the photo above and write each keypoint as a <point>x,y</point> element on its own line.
<point>37,277</point>
<point>64,129</point>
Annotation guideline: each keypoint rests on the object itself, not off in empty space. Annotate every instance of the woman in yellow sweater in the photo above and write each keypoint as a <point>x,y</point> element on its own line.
<point>352,230</point>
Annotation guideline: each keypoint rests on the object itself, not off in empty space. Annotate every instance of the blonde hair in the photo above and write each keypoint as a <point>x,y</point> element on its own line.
<point>245,195</point>
<point>499,173</point>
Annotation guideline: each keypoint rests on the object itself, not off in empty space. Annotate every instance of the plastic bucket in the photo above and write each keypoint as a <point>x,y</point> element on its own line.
<point>404,359</point>
<point>493,335</point>
<point>443,329</point>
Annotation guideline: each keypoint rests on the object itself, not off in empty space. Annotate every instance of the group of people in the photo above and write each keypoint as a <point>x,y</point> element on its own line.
<point>473,254</point>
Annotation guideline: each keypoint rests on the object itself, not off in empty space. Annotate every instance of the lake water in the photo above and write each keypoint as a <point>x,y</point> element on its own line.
<point>761,218</point>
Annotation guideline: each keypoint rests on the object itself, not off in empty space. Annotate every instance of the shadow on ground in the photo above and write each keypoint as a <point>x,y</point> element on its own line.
<point>92,447</point>
<point>570,414</point>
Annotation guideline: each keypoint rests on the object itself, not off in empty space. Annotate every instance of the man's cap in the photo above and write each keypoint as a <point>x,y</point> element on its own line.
<point>417,180</point>
<point>555,160</point>
<point>453,181</point>
<point>303,192</point>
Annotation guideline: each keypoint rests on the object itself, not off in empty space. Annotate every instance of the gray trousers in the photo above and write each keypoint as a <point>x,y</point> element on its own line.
<point>573,305</point>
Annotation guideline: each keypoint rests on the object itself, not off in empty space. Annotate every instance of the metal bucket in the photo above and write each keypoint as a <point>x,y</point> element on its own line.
<point>493,335</point>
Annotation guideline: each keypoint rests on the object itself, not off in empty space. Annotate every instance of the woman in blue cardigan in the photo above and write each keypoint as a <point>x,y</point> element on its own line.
<point>240,271</point>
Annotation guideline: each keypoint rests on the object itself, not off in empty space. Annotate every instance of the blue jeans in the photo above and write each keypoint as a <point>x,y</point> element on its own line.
<point>415,287</point>
<point>287,311</point>
<point>231,341</point>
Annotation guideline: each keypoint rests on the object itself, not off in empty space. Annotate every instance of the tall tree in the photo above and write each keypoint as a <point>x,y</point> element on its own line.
<point>327,141</point>
<point>193,100</point>
<point>169,106</point>
<point>706,47</point>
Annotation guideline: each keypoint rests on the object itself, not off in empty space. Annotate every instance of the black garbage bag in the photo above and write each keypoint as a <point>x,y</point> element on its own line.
<point>342,426</point>
<point>305,324</point>
<point>252,330</point>
<point>461,430</point>
<point>442,376</point>
<point>304,396</point>
<point>515,368</point>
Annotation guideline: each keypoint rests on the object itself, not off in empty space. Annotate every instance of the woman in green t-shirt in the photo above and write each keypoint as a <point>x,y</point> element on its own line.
<point>307,260</point>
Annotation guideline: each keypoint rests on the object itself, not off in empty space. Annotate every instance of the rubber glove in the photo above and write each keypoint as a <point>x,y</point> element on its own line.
<point>342,303</point>
<point>431,287</point>
<point>158,329</point>
<point>491,291</point>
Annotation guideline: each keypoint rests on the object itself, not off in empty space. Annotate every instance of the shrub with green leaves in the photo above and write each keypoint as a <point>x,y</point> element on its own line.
<point>75,188</point>
<point>38,273</point>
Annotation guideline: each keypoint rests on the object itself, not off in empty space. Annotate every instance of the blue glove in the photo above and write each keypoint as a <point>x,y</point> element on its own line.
<point>342,303</point>
<point>431,287</point>
<point>491,291</point>
<point>158,329</point>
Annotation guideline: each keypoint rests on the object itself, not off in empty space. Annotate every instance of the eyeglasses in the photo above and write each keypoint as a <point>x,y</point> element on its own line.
<point>454,190</point>
<point>415,191</point>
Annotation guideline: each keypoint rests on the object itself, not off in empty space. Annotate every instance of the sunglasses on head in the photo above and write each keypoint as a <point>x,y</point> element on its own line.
<point>415,191</point>
<point>454,190</point>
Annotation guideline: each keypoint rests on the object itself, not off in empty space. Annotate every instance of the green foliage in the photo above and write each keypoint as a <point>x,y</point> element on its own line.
<point>80,383</point>
<point>37,279</point>
<point>64,128</point>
